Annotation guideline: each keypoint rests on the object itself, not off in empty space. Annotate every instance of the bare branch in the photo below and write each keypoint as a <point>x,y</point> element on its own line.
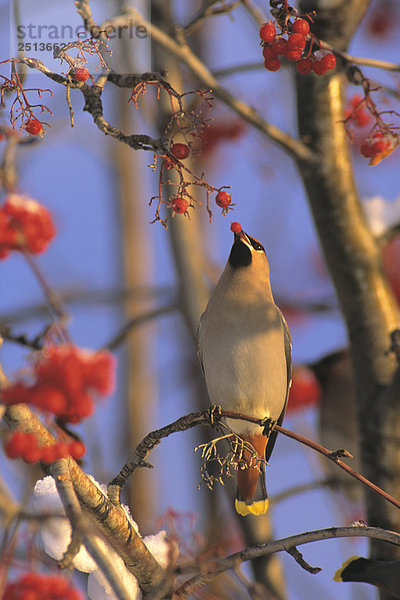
<point>232,561</point>
<point>210,11</point>
<point>94,105</point>
<point>205,418</point>
<point>124,332</point>
<point>184,54</point>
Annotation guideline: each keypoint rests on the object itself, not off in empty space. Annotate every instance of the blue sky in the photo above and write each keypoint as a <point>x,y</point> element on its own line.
<point>72,173</point>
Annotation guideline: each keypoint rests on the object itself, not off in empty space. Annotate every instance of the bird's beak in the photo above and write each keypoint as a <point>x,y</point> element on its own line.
<point>241,236</point>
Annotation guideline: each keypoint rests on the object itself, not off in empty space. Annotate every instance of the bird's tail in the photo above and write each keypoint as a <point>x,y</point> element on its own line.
<point>251,493</point>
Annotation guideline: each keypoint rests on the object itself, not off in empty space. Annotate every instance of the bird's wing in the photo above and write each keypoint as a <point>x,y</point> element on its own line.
<point>199,353</point>
<point>288,356</point>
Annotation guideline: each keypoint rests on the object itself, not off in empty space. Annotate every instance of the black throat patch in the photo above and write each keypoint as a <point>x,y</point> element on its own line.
<point>240,255</point>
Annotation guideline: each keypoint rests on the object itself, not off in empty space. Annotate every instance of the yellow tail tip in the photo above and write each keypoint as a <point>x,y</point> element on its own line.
<point>256,508</point>
<point>338,574</point>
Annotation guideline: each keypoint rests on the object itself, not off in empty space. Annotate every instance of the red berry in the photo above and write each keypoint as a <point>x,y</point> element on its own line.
<point>356,100</point>
<point>318,67</point>
<point>61,449</point>
<point>180,151</point>
<point>378,146</point>
<point>48,397</point>
<point>236,227</point>
<point>296,42</point>
<point>279,46</point>
<point>179,205</point>
<point>99,373</point>
<point>267,32</point>
<point>77,449</point>
<point>361,118</point>
<point>304,66</point>
<point>268,52</point>
<point>223,199</point>
<point>366,149</point>
<point>16,444</point>
<point>328,61</point>
<point>294,55</point>
<point>48,454</point>
<point>59,586</point>
<point>301,26</point>
<point>32,454</point>
<point>80,74</point>
<point>33,126</point>
<point>272,64</point>
<point>15,393</point>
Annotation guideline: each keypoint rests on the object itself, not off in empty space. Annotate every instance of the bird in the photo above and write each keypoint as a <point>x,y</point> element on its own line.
<point>245,348</point>
<point>384,574</point>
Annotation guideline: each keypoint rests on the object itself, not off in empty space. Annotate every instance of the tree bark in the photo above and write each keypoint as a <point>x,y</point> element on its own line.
<point>353,258</point>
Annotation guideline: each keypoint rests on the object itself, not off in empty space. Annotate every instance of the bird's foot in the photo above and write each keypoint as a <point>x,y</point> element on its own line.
<point>215,414</point>
<point>268,425</point>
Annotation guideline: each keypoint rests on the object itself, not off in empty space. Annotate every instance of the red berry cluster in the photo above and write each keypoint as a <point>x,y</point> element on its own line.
<point>64,377</point>
<point>24,224</point>
<point>378,145</point>
<point>33,126</point>
<point>356,113</point>
<point>25,445</point>
<point>294,48</point>
<point>33,586</point>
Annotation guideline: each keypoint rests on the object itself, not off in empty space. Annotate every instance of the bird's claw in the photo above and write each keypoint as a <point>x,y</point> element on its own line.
<point>268,426</point>
<point>215,413</point>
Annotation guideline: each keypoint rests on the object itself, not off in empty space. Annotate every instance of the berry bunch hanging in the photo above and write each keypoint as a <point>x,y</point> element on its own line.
<point>24,225</point>
<point>356,113</point>
<point>25,445</point>
<point>34,586</point>
<point>297,47</point>
<point>62,380</point>
<point>378,145</point>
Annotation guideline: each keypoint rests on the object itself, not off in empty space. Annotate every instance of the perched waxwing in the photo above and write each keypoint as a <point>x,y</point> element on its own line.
<point>244,348</point>
<point>385,574</point>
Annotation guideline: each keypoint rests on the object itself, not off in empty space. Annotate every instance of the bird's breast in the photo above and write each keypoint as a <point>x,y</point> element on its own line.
<point>244,361</point>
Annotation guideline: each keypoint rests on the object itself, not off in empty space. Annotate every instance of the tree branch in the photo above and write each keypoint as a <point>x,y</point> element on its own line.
<point>208,572</point>
<point>208,417</point>
<point>81,532</point>
<point>110,519</point>
<point>183,53</point>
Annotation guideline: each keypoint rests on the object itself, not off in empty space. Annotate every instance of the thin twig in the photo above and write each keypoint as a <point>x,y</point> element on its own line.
<point>124,332</point>
<point>209,11</point>
<point>363,61</point>
<point>298,557</point>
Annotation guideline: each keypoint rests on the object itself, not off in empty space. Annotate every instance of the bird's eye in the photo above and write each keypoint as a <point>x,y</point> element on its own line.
<point>256,245</point>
